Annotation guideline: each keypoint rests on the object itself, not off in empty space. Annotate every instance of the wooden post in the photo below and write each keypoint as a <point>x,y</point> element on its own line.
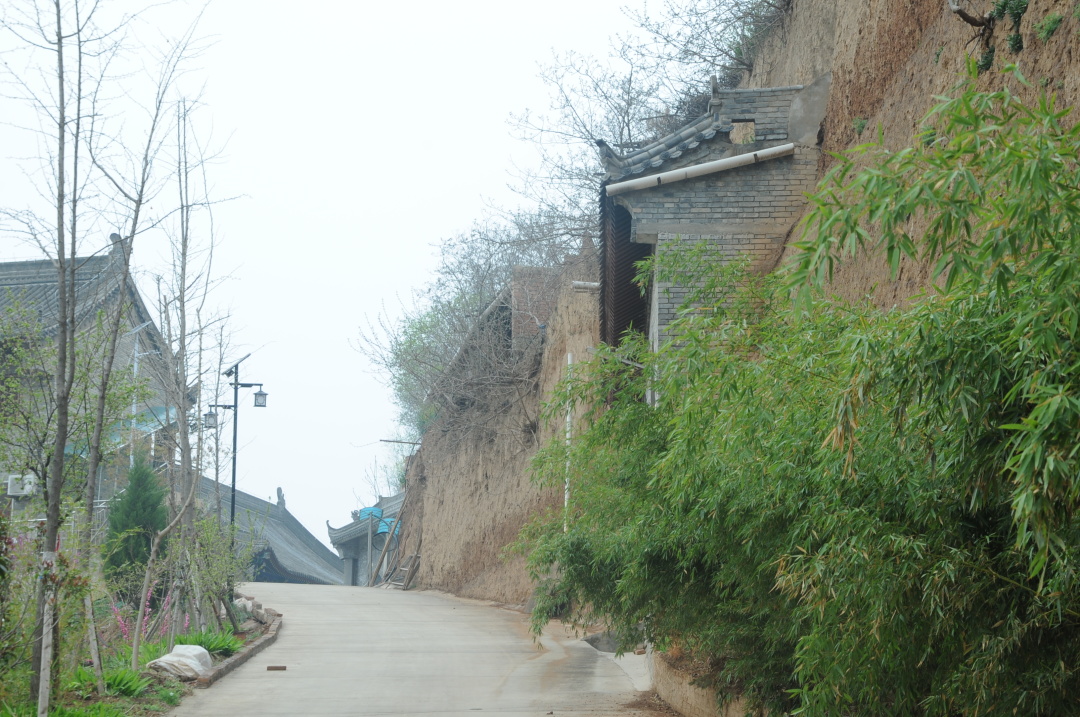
<point>368,549</point>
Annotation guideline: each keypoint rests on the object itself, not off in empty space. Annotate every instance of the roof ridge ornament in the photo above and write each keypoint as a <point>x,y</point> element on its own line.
<point>715,103</point>
<point>613,161</point>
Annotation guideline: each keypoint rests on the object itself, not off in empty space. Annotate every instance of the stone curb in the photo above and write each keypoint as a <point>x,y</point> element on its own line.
<point>243,654</point>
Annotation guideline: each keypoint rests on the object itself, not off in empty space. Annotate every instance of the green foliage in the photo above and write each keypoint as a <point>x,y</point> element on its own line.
<point>854,512</point>
<point>99,709</point>
<point>118,681</point>
<point>986,60</point>
<point>134,517</point>
<point>126,682</point>
<point>937,55</point>
<point>214,554</point>
<point>221,644</point>
<point>1045,29</point>
<point>1014,252</point>
<point>8,635</point>
<point>170,696</point>
<point>1014,9</point>
<point>1015,41</point>
<point>148,652</point>
<point>858,124</point>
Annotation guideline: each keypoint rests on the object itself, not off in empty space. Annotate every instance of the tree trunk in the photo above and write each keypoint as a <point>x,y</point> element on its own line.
<point>48,592</point>
<point>95,652</point>
<point>155,544</point>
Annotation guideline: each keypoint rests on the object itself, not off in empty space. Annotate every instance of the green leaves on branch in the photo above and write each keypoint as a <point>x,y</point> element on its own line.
<point>220,644</point>
<point>136,515</point>
<point>996,188</point>
<point>852,511</point>
<point>999,196</point>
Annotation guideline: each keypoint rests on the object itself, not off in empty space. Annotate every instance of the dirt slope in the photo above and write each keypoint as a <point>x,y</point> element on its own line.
<point>474,492</point>
<point>888,59</point>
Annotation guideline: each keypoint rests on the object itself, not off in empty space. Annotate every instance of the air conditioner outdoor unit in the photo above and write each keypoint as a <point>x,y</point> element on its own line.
<point>20,485</point>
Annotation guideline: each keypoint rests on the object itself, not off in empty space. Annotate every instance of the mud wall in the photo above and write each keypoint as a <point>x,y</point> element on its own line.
<point>889,59</point>
<point>472,491</point>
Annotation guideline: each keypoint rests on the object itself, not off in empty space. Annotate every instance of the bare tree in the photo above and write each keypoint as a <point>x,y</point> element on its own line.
<point>75,176</point>
<point>190,330</point>
<point>591,100</point>
<point>466,347</point>
<point>688,40</point>
<point>652,82</point>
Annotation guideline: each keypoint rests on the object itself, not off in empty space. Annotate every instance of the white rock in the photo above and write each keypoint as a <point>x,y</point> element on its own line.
<point>185,662</point>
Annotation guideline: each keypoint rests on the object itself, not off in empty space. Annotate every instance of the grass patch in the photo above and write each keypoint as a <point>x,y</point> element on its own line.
<point>1014,9</point>
<point>118,681</point>
<point>100,709</point>
<point>170,697</point>
<point>1045,29</point>
<point>219,644</point>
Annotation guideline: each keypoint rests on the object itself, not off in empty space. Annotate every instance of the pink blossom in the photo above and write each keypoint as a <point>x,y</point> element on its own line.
<point>120,622</point>
<point>146,610</point>
<point>165,610</point>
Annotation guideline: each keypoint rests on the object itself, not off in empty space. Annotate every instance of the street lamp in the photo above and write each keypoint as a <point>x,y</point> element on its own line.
<point>210,421</point>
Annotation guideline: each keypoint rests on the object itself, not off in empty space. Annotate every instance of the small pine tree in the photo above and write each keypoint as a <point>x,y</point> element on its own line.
<point>136,514</point>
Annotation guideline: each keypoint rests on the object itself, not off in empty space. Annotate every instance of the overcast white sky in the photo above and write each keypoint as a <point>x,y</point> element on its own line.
<point>359,134</point>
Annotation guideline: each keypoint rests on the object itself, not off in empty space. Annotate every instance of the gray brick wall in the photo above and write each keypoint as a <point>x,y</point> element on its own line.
<point>769,194</point>
<point>767,108</point>
<point>746,211</point>
<point>743,211</point>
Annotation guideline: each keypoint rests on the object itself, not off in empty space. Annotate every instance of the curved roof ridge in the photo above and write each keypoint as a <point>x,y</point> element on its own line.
<point>689,136</point>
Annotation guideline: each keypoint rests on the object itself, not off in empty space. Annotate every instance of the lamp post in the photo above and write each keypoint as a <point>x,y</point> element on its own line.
<point>210,421</point>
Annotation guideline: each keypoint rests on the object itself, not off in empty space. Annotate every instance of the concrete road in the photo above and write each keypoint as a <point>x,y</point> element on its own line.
<point>366,651</point>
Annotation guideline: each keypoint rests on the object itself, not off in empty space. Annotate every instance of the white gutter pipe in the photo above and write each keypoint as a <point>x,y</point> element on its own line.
<point>698,170</point>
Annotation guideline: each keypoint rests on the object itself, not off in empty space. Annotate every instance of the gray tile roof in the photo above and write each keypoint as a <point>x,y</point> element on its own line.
<point>654,155</point>
<point>281,541</point>
<point>390,507</point>
<point>31,288</point>
<point>32,285</point>
<point>718,120</point>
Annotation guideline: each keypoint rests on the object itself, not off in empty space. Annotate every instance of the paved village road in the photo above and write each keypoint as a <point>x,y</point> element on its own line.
<point>366,651</point>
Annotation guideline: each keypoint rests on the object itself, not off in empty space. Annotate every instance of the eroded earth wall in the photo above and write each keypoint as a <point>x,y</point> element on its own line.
<point>473,491</point>
<point>888,60</point>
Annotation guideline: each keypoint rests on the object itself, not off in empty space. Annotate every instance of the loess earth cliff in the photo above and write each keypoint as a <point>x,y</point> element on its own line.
<point>472,490</point>
<point>888,61</point>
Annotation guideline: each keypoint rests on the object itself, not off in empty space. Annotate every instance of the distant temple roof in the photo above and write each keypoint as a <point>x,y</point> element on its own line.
<point>32,286</point>
<point>29,291</point>
<point>389,508</point>
<point>285,551</point>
